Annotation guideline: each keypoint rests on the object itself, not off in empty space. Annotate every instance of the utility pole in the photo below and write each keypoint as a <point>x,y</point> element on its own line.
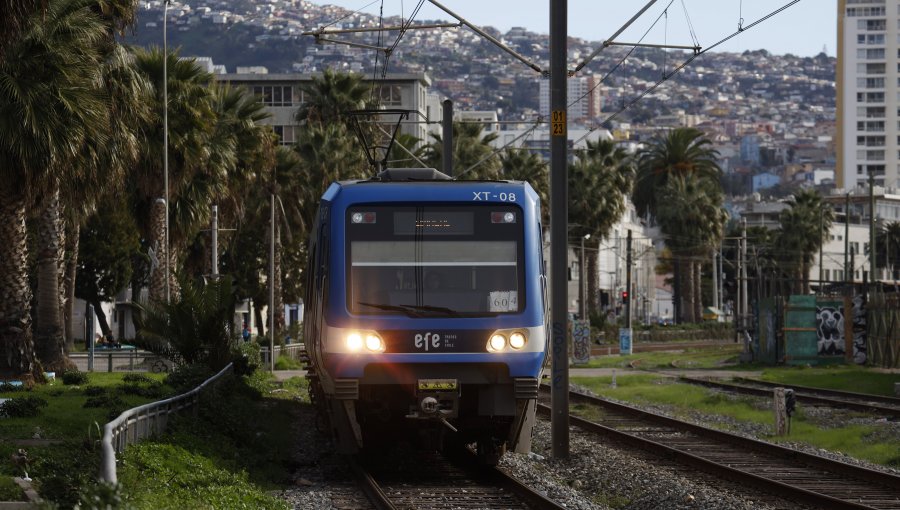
<point>166,143</point>
<point>721,302</point>
<point>846,236</point>
<point>628,263</point>
<point>821,246</point>
<point>559,424</point>
<point>581,275</point>
<point>872,265</point>
<point>447,126</point>
<point>272,278</point>
<point>715,281</point>
<point>214,230</point>
<point>745,301</point>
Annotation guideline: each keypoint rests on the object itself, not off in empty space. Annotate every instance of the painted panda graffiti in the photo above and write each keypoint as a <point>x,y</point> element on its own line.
<point>830,330</point>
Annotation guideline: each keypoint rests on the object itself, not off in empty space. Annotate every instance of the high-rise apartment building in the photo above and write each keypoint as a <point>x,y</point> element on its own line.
<point>582,96</point>
<point>868,93</point>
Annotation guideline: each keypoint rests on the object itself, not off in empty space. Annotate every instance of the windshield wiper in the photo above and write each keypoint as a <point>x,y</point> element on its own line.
<point>414,310</point>
<point>410,312</point>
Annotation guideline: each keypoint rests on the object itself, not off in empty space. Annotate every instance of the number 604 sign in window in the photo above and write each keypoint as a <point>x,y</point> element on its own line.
<point>503,301</point>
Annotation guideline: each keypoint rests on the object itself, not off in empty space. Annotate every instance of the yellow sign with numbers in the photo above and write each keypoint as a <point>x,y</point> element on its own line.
<point>558,123</point>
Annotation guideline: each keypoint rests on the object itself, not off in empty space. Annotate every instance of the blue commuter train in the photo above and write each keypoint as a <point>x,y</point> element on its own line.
<point>426,311</point>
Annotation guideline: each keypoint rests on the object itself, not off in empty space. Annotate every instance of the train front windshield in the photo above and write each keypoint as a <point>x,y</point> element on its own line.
<point>435,260</point>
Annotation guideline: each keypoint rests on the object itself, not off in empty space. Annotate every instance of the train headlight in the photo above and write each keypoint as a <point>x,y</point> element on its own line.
<point>354,342</point>
<point>497,343</point>
<point>374,343</point>
<point>517,340</point>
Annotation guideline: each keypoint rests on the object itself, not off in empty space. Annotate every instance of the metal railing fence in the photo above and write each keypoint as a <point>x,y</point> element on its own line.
<point>144,421</point>
<point>289,350</point>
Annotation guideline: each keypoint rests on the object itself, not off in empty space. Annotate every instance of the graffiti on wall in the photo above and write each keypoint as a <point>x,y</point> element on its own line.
<point>830,330</point>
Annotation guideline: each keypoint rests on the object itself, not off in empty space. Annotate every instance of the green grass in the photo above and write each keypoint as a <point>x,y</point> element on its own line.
<point>239,445</point>
<point>838,377</point>
<point>65,415</point>
<point>287,363</point>
<point>71,460</point>
<point>693,358</point>
<point>9,491</point>
<point>871,443</point>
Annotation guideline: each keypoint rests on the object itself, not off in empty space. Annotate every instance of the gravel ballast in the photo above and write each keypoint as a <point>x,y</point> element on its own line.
<point>597,475</point>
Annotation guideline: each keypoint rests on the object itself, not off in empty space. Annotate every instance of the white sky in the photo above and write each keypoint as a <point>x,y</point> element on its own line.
<point>802,29</point>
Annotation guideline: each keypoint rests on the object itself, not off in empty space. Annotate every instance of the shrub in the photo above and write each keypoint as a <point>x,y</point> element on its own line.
<point>247,359</point>
<point>71,377</point>
<point>197,328</point>
<point>188,377</point>
<point>94,391</point>
<point>153,390</point>
<point>105,400</point>
<point>22,407</point>
<point>10,388</point>
<point>137,379</point>
<point>100,495</point>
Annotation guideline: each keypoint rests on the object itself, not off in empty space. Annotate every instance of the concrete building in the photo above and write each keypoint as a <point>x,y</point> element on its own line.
<point>582,96</point>
<point>867,92</point>
<point>282,95</point>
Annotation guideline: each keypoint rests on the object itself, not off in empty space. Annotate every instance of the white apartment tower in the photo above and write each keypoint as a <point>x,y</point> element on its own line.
<point>582,96</point>
<point>868,93</point>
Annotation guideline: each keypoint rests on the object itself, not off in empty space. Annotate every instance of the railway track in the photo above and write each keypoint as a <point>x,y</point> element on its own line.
<point>435,481</point>
<point>761,466</point>
<point>875,404</point>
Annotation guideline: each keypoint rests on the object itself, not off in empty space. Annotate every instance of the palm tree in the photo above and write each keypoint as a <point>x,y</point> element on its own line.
<point>803,228</point>
<point>471,150</point>
<point>191,121</point>
<point>599,179</point>
<point>17,14</point>
<point>328,98</point>
<point>522,165</point>
<point>681,151</point>
<point>690,212</point>
<point>49,106</point>
<point>888,242</point>
<point>686,153</point>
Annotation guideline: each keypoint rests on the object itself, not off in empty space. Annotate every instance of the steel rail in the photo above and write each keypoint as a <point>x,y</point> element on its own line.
<point>861,474</point>
<point>884,399</point>
<point>800,394</point>
<point>369,486</point>
<point>712,467</point>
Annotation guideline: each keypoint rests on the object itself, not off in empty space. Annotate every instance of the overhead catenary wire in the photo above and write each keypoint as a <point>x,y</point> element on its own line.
<point>686,63</point>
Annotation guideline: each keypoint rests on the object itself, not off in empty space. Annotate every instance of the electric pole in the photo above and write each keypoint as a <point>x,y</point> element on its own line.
<point>559,424</point>
<point>846,236</point>
<point>628,280</point>
<point>872,265</point>
<point>447,126</point>
<point>745,301</point>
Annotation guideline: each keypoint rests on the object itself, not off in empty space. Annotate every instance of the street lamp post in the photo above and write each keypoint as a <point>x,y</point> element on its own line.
<point>581,275</point>
<point>166,141</point>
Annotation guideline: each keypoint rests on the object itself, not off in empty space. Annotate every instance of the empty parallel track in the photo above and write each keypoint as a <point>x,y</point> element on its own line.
<point>434,481</point>
<point>783,472</point>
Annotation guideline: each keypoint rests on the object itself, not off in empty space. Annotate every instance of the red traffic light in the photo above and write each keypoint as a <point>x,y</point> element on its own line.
<point>624,296</point>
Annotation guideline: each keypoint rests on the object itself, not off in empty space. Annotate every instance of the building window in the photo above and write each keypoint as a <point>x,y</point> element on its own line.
<point>827,275</point>
<point>285,134</point>
<point>274,95</point>
<point>390,95</point>
<point>870,83</point>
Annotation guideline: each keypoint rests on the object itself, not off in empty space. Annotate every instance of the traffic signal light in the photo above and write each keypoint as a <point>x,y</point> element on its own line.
<point>624,297</point>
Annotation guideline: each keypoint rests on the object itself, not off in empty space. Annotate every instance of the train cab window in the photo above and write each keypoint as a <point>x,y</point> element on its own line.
<point>435,261</point>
